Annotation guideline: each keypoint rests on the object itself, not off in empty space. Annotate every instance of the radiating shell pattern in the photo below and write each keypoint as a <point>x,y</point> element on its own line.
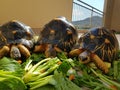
<point>102,42</point>
<point>15,39</point>
<point>58,33</point>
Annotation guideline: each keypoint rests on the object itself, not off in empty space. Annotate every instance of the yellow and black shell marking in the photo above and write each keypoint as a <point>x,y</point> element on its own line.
<point>60,33</point>
<point>14,32</point>
<point>102,42</point>
<point>16,39</point>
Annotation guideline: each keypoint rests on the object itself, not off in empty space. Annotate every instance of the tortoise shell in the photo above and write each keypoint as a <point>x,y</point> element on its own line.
<point>102,42</point>
<point>59,32</point>
<point>14,32</point>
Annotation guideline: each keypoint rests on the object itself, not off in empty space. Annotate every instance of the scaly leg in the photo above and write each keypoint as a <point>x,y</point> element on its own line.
<point>4,51</point>
<point>40,48</point>
<point>99,62</point>
<point>24,50</point>
<point>76,52</point>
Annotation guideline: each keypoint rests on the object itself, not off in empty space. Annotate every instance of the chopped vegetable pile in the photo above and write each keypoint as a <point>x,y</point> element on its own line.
<point>58,73</point>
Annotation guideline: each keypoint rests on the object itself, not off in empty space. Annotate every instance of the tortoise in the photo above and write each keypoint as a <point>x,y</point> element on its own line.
<point>58,35</point>
<point>15,39</point>
<point>99,45</point>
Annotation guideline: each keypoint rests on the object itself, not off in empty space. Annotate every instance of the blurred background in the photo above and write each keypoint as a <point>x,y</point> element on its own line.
<point>84,14</point>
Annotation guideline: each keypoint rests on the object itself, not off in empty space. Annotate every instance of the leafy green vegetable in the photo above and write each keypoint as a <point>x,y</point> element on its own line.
<point>64,83</point>
<point>64,67</point>
<point>86,78</point>
<point>41,82</point>
<point>106,80</point>
<point>116,70</point>
<point>50,71</point>
<point>10,82</point>
<point>9,64</point>
<point>36,57</point>
<point>67,63</point>
<point>46,87</point>
<point>61,55</point>
<point>57,82</point>
<point>41,69</point>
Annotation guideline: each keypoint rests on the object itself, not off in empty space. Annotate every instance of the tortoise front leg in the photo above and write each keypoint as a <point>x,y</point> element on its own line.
<point>76,52</point>
<point>40,48</point>
<point>4,51</point>
<point>24,51</point>
<point>99,63</point>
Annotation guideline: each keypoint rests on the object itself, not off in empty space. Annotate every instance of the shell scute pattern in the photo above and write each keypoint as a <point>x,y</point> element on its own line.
<point>16,39</point>
<point>59,32</point>
<point>14,32</point>
<point>101,41</point>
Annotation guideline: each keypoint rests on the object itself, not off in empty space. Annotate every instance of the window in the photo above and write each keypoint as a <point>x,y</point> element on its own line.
<point>87,13</point>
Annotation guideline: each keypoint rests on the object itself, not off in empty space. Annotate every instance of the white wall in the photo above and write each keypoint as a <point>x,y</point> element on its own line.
<point>34,12</point>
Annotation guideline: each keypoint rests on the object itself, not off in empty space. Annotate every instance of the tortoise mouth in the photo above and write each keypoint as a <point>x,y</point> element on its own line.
<point>84,57</point>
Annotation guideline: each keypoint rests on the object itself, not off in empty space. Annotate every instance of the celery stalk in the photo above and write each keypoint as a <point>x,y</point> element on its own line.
<point>106,80</point>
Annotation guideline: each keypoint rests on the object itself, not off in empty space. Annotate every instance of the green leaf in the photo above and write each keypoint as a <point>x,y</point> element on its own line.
<point>11,82</point>
<point>64,67</point>
<point>46,87</point>
<point>9,64</point>
<point>64,83</point>
<point>36,57</point>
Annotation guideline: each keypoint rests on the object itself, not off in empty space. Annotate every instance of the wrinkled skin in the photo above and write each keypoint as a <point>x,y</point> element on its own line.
<point>57,35</point>
<point>15,36</point>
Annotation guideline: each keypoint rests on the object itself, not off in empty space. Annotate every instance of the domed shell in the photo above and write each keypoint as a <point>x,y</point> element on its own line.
<point>59,32</point>
<point>102,42</point>
<point>14,32</point>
